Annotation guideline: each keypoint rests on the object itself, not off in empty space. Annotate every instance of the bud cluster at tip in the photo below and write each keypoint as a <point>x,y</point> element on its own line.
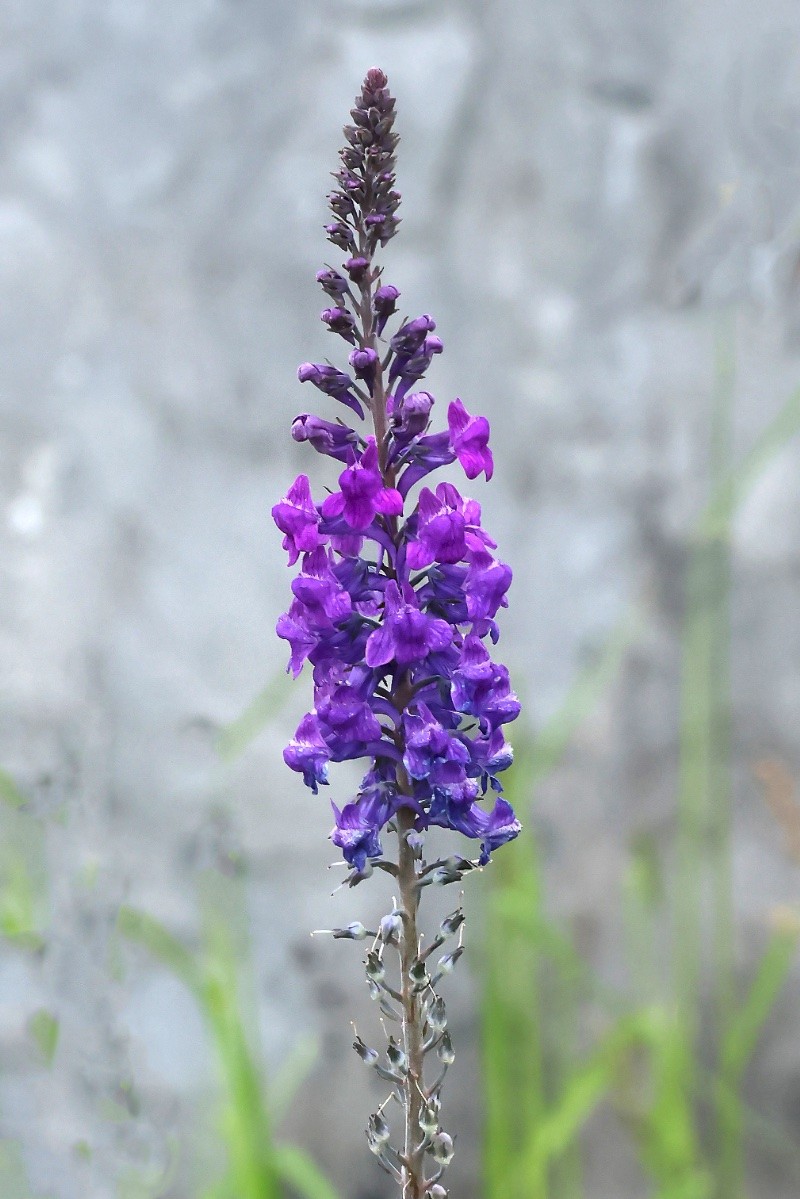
<point>365,202</point>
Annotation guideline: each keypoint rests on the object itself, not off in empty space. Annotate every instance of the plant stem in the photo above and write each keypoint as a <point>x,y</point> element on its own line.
<point>413,1169</point>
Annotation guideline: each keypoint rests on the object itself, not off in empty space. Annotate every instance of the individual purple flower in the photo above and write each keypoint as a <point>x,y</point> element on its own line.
<point>307,752</point>
<point>485,585</point>
<point>406,634</point>
<point>481,687</point>
<point>470,438</point>
<point>340,321</point>
<point>363,495</point>
<point>410,337</point>
<point>358,826</point>
<point>318,591</point>
<point>426,454</point>
<point>332,382</point>
<point>346,717</point>
<point>494,828</point>
<point>292,627</point>
<point>332,283</point>
<point>297,517</point>
<point>447,527</point>
<point>410,416</point>
<point>429,744</point>
<point>326,436</point>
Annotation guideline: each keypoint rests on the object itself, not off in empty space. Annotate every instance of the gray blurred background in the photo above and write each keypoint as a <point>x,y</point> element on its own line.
<point>596,193</point>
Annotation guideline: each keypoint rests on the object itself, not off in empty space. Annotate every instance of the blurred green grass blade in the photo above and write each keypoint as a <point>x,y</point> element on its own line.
<point>748,1022</point>
<point>297,1169</point>
<point>9,792</point>
<point>23,877</point>
<point>552,741</point>
<point>13,1179</point>
<point>735,487</point>
<point>43,1030</point>
<point>291,1075</point>
<point>147,931</point>
<point>234,738</point>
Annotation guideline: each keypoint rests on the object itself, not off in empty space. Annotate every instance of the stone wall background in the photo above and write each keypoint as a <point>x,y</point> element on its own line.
<point>592,191</point>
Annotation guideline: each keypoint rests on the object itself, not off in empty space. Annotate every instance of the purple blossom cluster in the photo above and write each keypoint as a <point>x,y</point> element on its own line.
<point>398,589</point>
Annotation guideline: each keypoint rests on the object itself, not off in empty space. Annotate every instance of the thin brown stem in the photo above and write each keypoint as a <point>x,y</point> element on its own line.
<point>413,1167</point>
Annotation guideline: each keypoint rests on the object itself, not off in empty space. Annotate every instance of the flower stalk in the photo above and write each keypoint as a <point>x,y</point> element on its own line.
<point>394,601</point>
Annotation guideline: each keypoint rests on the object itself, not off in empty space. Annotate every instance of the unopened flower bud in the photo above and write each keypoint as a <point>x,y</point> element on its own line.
<point>384,303</point>
<point>363,362</point>
<point>332,283</point>
<point>356,268</point>
<point>442,1148</point>
<point>437,1015</point>
<point>444,1050</point>
<point>437,1192</point>
<point>367,1055</point>
<point>340,321</point>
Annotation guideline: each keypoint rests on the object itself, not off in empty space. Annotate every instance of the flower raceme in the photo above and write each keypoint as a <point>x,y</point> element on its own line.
<point>398,589</point>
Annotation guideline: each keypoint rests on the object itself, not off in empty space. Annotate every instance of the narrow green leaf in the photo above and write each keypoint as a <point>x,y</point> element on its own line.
<point>748,1022</point>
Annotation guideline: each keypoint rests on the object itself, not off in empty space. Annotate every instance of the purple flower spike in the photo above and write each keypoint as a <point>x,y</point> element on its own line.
<point>407,634</point>
<point>470,438</point>
<point>363,495</point>
<point>394,607</point>
<point>297,517</point>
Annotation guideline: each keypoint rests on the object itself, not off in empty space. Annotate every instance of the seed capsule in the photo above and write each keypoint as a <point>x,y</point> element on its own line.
<point>444,1050</point>
<point>442,1149</point>
<point>437,1015</point>
<point>367,1055</point>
